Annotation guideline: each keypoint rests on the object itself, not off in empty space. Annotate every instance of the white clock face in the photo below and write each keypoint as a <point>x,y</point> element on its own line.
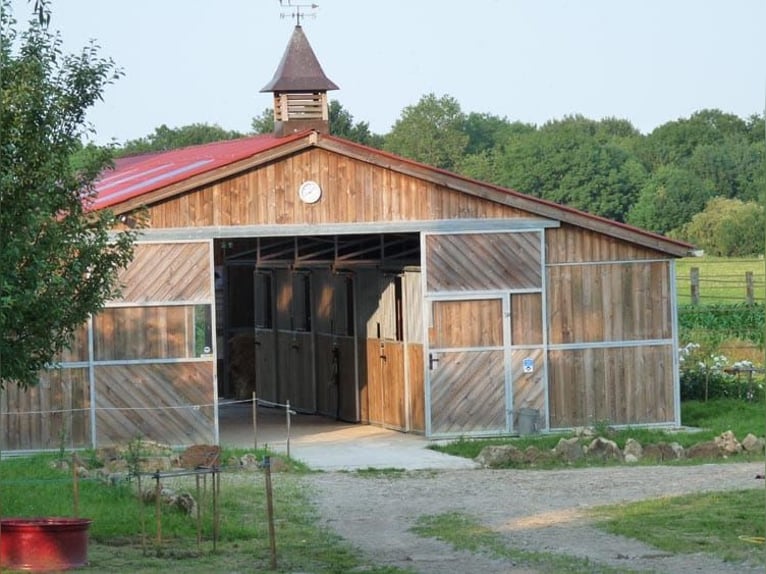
<point>309,192</point>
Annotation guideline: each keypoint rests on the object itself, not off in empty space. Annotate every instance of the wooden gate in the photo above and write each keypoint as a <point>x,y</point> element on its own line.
<point>466,362</point>
<point>482,291</point>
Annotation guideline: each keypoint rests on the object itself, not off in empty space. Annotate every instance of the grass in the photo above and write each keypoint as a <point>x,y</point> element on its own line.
<point>463,532</point>
<point>729,525</point>
<point>31,487</point>
<point>709,420</point>
<point>722,279</point>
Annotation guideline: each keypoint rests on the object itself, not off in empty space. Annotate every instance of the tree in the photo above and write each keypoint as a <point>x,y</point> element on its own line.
<point>669,200</point>
<point>727,228</point>
<point>165,138</point>
<point>432,132</point>
<point>574,161</point>
<point>58,257</point>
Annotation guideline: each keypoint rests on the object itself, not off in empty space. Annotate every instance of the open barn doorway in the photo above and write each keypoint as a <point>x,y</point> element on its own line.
<point>330,323</point>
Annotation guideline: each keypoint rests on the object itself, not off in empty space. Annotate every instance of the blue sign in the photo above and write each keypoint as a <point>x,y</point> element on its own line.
<point>529,365</point>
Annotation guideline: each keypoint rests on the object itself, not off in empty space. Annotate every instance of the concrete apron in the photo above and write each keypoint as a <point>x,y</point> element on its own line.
<point>325,444</point>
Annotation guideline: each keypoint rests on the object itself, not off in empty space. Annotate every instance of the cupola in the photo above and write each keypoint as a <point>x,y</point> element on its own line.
<point>300,89</point>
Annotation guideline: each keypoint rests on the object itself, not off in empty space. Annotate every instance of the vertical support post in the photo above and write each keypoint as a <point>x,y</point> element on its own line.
<point>694,275</point>
<point>287,410</point>
<point>255,422</point>
<point>270,512</point>
<point>749,288</point>
<point>143,515</point>
<point>216,505</point>
<point>199,513</point>
<point>75,487</point>
<point>158,507</point>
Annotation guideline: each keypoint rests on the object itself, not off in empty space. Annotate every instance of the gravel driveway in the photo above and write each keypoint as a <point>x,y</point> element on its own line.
<point>538,511</point>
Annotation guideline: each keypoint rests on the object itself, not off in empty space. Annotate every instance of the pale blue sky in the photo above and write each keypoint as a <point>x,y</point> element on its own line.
<point>647,61</point>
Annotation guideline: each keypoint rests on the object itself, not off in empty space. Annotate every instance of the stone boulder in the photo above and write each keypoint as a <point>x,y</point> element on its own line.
<point>201,456</point>
<point>706,449</point>
<point>633,449</point>
<point>662,451</point>
<point>728,443</point>
<point>603,449</point>
<point>495,455</point>
<point>569,450</point>
<point>753,444</point>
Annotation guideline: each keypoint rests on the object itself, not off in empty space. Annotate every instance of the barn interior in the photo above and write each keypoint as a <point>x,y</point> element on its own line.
<point>331,323</point>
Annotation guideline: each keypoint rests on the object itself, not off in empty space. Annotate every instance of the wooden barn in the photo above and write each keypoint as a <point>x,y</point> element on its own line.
<point>361,286</point>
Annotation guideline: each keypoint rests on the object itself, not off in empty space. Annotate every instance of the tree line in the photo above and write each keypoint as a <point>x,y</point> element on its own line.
<point>700,179</point>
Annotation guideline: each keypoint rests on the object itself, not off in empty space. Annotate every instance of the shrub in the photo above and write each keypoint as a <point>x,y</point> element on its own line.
<point>707,376</point>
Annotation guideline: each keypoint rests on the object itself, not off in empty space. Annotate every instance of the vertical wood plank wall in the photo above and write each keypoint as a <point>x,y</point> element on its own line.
<point>610,331</point>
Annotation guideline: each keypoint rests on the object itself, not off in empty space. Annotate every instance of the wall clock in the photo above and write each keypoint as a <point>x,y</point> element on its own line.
<point>309,192</point>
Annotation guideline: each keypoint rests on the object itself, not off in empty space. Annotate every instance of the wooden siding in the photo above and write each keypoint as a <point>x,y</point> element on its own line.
<point>417,396</point>
<point>354,191</point>
<point>526,319</point>
<point>473,323</point>
<point>53,414</point>
<point>169,403</point>
<point>570,244</point>
<point>609,302</point>
<point>483,262</point>
<point>623,385</point>
<point>468,393</point>
<point>167,272</point>
<point>528,388</point>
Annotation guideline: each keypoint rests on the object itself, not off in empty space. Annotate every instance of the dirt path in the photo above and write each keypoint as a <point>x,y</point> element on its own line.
<point>535,510</point>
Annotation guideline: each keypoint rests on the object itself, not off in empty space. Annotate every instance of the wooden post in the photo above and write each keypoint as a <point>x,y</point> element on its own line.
<point>694,274</point>
<point>287,410</point>
<point>199,513</point>
<point>255,422</point>
<point>270,511</point>
<point>143,514</point>
<point>157,507</point>
<point>749,288</point>
<point>75,487</point>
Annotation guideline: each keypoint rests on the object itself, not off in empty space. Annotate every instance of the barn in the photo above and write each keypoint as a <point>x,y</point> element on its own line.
<point>358,285</point>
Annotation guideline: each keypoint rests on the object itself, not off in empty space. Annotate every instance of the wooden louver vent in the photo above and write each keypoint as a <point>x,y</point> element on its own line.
<point>300,106</point>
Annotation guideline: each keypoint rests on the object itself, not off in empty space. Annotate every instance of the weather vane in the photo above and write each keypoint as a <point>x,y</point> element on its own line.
<point>299,10</point>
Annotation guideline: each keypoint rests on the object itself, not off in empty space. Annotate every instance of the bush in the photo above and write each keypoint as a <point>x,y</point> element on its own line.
<point>707,376</point>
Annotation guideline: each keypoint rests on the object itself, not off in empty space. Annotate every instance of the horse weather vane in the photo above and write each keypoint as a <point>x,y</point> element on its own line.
<point>299,10</point>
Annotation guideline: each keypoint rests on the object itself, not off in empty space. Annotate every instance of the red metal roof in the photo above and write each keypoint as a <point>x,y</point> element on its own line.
<point>134,176</point>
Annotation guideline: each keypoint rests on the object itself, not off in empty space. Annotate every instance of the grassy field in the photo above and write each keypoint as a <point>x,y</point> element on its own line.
<point>721,280</point>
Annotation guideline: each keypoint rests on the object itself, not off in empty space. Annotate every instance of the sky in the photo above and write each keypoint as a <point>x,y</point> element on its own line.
<point>205,61</point>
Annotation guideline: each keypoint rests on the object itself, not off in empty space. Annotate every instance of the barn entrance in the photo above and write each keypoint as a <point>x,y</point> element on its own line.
<point>330,323</point>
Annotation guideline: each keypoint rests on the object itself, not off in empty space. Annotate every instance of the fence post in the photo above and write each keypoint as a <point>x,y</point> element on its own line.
<point>270,512</point>
<point>255,422</point>
<point>288,413</point>
<point>694,275</point>
<point>749,288</point>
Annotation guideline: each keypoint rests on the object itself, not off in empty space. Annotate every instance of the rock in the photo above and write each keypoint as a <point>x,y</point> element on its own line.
<point>584,432</point>
<point>496,455</point>
<point>659,452</point>
<point>569,450</point>
<point>603,449</point>
<point>201,456</point>
<point>634,449</point>
<point>532,455</point>
<point>631,458</point>
<point>678,450</point>
<point>707,449</point>
<point>249,461</point>
<point>182,501</point>
<point>728,443</point>
<point>751,443</point>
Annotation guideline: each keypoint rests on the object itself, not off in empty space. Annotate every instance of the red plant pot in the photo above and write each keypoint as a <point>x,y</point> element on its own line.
<point>43,544</point>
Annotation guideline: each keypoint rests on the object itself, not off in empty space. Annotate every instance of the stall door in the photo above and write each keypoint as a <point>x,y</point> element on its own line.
<point>467,367</point>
